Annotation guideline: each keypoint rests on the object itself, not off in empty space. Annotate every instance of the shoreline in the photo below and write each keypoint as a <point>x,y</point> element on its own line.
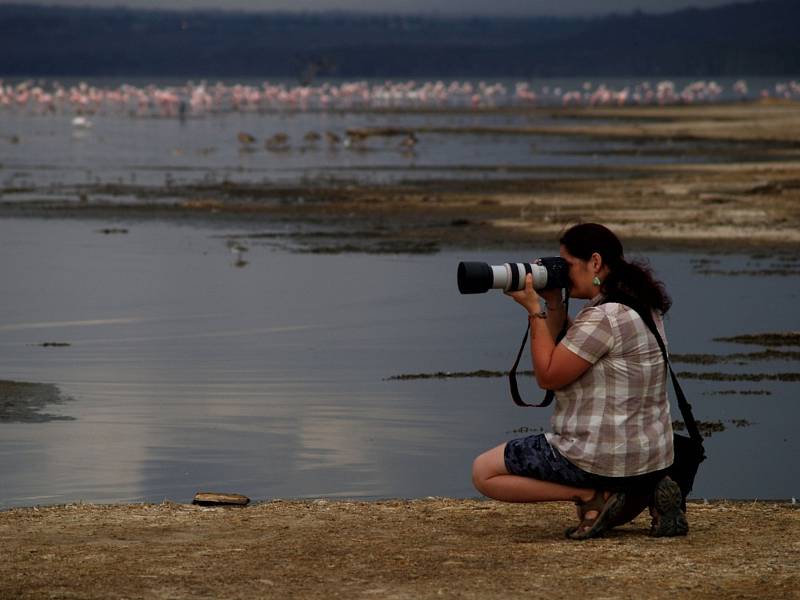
<point>258,504</point>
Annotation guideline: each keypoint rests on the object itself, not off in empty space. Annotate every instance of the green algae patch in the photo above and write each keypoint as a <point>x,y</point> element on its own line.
<point>738,392</point>
<point>736,358</point>
<point>708,428</point>
<point>716,376</point>
<point>787,338</point>
<point>22,402</point>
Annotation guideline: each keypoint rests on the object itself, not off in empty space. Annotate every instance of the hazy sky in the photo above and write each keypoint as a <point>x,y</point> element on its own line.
<point>450,7</point>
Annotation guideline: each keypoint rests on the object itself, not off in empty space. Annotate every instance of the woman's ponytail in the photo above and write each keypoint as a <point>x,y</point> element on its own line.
<point>633,282</point>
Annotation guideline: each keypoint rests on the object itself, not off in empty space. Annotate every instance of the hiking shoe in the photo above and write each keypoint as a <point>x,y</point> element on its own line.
<point>669,520</point>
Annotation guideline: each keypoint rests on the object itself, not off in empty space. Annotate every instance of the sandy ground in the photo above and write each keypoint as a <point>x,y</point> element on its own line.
<point>431,548</point>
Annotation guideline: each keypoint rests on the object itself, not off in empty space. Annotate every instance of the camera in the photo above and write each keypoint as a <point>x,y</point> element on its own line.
<point>548,273</point>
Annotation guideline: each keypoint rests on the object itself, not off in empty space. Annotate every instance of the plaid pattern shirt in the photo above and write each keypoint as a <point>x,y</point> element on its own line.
<point>614,420</point>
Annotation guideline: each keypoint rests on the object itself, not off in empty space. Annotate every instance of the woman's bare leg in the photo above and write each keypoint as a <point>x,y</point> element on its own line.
<point>492,479</point>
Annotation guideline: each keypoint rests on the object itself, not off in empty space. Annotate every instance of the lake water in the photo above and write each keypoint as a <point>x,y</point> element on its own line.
<point>189,373</point>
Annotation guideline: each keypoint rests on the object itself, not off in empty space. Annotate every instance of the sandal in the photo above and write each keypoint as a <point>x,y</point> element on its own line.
<point>607,512</point>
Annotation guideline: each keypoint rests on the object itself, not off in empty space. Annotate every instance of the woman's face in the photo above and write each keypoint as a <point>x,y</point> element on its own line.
<point>582,272</point>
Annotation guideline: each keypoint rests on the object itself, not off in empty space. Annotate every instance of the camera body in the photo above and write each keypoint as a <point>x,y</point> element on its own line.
<point>548,273</point>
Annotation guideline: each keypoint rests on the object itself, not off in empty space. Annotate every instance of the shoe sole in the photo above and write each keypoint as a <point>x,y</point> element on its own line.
<point>671,519</point>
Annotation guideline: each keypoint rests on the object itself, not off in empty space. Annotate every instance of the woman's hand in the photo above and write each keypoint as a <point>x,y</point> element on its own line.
<point>553,297</point>
<point>527,298</point>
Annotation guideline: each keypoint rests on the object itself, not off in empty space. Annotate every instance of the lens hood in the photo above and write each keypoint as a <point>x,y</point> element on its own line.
<point>474,277</point>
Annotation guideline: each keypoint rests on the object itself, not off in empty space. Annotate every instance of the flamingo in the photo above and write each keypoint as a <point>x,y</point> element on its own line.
<point>199,99</point>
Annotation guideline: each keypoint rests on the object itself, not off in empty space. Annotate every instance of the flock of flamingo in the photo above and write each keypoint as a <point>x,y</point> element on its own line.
<point>201,99</point>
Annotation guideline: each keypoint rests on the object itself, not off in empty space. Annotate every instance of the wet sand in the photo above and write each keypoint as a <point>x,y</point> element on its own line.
<point>431,548</point>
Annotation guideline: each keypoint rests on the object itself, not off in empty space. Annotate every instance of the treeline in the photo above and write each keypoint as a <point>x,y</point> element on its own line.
<point>755,38</point>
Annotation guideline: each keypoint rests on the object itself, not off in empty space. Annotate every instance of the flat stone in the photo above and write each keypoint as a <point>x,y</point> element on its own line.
<point>220,499</point>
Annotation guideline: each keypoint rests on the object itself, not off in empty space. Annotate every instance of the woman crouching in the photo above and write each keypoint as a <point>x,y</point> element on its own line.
<point>611,438</point>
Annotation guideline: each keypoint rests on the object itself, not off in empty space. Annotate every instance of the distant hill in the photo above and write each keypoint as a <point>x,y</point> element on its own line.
<point>755,38</point>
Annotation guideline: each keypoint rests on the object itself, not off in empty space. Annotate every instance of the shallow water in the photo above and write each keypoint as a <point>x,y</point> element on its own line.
<point>189,373</point>
<point>50,153</point>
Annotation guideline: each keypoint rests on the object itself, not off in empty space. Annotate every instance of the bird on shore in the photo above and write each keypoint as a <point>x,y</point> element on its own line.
<point>409,141</point>
<point>81,123</point>
<point>332,138</point>
<point>312,137</point>
<point>245,139</point>
<point>279,141</point>
<point>237,248</point>
<point>355,138</point>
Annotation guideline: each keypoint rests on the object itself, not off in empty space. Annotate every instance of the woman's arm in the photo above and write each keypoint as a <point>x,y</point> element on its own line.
<point>556,311</point>
<point>553,365</point>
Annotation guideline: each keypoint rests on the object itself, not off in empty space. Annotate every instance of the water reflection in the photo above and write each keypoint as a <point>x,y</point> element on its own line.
<point>190,374</point>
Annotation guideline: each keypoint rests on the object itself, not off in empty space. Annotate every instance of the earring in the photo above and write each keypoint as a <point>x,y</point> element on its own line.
<point>596,280</point>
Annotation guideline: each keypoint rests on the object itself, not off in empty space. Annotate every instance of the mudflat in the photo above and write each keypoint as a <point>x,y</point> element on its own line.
<point>428,548</point>
<point>742,191</point>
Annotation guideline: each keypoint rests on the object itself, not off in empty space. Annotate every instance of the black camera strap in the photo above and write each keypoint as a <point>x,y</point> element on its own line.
<point>512,374</point>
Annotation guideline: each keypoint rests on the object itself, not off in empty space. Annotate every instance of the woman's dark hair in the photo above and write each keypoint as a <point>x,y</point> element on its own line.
<point>630,283</point>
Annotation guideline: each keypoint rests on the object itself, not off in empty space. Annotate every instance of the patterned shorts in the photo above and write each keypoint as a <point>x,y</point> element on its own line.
<point>534,457</point>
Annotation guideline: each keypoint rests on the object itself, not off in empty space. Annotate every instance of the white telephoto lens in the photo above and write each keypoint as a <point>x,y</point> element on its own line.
<point>515,279</point>
<point>521,273</point>
<point>501,277</point>
<point>511,276</point>
<point>539,273</point>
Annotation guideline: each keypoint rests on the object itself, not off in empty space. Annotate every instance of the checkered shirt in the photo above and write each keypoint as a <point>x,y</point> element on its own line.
<point>614,420</point>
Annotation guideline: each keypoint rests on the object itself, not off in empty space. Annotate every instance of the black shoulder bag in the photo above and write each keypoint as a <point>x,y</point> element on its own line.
<point>689,450</point>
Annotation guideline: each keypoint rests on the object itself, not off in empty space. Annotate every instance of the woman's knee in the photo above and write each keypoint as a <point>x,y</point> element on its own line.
<point>487,465</point>
<point>478,472</point>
